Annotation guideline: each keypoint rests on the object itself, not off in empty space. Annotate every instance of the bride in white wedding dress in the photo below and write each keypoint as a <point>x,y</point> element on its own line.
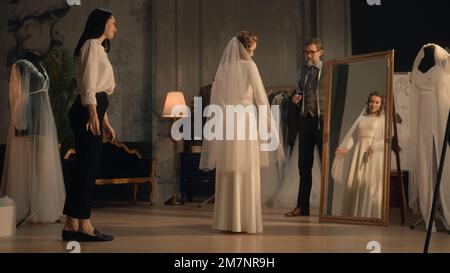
<point>237,206</point>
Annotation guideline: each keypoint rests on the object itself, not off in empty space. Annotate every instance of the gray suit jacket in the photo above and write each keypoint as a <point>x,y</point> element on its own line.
<point>294,109</point>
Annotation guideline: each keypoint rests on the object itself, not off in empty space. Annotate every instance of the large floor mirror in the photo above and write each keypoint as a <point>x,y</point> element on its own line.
<point>357,140</point>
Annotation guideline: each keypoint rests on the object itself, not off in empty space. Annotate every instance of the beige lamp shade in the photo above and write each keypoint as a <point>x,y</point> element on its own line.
<point>174,98</point>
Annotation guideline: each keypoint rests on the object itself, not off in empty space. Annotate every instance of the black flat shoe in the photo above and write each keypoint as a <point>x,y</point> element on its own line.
<point>97,237</point>
<point>68,236</point>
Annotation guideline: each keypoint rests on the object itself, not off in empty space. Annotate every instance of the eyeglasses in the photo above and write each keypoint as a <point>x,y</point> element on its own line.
<point>312,52</point>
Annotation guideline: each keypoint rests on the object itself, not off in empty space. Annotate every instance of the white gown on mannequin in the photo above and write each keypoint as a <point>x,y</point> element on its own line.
<point>32,170</point>
<point>430,104</point>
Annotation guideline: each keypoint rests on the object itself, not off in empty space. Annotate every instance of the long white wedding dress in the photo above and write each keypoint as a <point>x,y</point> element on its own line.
<point>237,206</point>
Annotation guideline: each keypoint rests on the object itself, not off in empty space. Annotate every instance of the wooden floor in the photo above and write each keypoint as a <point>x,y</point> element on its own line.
<point>187,229</point>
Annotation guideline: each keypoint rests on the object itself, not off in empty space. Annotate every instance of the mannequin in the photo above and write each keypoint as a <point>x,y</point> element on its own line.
<point>428,60</point>
<point>430,100</point>
<point>36,59</point>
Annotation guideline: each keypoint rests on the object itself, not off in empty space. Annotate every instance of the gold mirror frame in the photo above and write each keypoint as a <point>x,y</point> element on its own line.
<point>389,110</point>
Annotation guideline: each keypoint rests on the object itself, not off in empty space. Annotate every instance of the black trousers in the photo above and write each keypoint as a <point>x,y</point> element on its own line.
<point>80,186</point>
<point>310,136</point>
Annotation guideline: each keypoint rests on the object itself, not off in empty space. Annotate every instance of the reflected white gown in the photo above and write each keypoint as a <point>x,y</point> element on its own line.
<point>237,205</point>
<point>363,194</point>
<point>32,170</point>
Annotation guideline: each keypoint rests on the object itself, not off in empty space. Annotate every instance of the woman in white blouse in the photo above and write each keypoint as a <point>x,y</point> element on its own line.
<point>89,119</point>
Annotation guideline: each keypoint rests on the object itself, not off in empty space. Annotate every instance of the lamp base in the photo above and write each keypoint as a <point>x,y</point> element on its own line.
<point>174,200</point>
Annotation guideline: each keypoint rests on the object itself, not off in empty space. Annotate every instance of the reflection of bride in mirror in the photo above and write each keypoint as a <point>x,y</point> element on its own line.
<point>359,162</point>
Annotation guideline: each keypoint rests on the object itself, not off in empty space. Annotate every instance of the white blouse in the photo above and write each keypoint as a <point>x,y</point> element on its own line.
<point>94,72</point>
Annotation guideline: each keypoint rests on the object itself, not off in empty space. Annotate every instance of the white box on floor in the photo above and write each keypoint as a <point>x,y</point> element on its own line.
<point>7,217</point>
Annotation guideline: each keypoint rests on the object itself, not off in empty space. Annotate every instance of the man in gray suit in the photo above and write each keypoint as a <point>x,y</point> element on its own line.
<point>305,117</point>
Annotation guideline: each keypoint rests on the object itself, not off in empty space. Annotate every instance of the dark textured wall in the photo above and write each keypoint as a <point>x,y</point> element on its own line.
<point>54,24</point>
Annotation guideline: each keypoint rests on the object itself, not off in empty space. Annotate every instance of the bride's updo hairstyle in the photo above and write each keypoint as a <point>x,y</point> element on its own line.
<point>246,38</point>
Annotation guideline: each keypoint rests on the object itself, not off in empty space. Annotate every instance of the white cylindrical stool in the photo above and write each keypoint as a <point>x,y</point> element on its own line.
<point>7,217</point>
